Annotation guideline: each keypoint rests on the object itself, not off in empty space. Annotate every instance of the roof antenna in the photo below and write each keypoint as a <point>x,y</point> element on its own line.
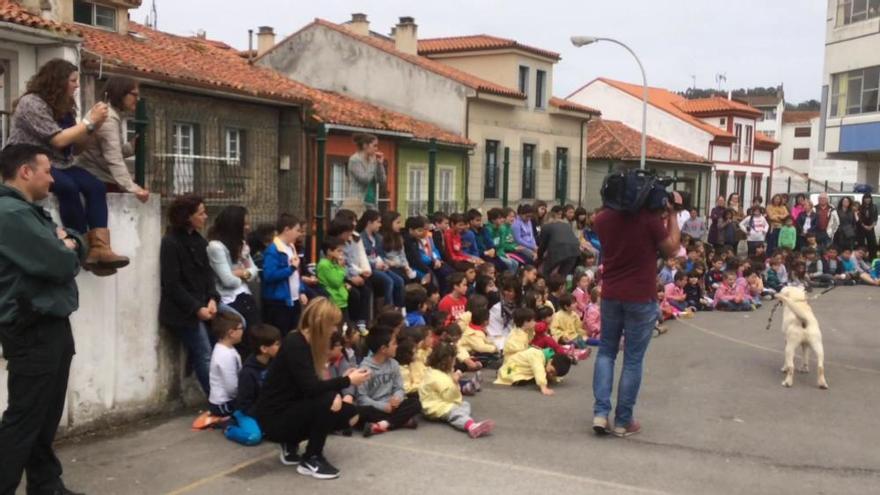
<point>250,56</point>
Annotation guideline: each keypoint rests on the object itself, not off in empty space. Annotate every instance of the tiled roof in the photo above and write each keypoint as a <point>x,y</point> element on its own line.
<point>614,140</point>
<point>11,11</point>
<point>764,141</point>
<point>760,101</point>
<point>668,102</point>
<point>444,70</point>
<point>716,105</point>
<point>214,65</point>
<point>572,106</point>
<point>798,116</point>
<point>477,42</point>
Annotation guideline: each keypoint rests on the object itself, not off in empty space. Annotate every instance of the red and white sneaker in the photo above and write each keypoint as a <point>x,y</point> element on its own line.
<point>480,429</point>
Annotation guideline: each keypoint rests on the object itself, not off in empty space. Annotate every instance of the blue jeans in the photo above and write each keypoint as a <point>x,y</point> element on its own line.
<point>198,345</point>
<point>392,286</point>
<point>245,430</point>
<point>635,322</point>
<point>69,184</point>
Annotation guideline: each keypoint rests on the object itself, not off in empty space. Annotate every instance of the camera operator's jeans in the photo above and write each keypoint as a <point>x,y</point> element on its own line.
<point>635,322</point>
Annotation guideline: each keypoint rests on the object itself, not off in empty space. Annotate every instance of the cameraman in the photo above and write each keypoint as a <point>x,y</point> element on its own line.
<point>630,242</point>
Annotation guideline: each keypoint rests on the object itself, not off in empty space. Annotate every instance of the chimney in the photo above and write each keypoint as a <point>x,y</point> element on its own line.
<point>359,24</point>
<point>201,34</point>
<point>265,39</point>
<point>405,36</point>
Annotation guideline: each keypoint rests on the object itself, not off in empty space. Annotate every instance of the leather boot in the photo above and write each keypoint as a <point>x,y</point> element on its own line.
<point>101,258</point>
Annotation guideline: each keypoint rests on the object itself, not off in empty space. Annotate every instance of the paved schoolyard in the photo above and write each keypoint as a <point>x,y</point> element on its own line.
<point>715,420</point>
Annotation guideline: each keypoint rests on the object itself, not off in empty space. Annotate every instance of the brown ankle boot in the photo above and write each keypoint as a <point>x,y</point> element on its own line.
<point>101,258</point>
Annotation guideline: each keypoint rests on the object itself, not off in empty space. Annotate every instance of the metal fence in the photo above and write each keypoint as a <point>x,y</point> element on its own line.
<point>420,208</point>
<point>795,184</point>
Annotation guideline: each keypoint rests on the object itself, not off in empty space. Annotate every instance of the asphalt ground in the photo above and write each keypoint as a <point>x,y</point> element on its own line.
<point>715,419</point>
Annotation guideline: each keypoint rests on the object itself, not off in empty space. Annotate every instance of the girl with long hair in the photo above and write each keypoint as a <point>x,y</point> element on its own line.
<point>46,116</point>
<point>392,244</point>
<point>366,174</point>
<point>384,278</point>
<point>867,221</point>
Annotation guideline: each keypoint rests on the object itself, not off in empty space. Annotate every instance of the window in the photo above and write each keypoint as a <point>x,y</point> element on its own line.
<point>528,171</point>
<point>747,153</point>
<point>756,185</point>
<point>234,146</point>
<point>523,79</point>
<point>735,150</point>
<point>801,154</point>
<point>802,131</point>
<point>770,134</point>
<point>541,77</point>
<point>770,114</point>
<point>417,191</point>
<point>739,185</point>
<point>561,175</point>
<point>183,150</point>
<point>721,183</point>
<point>490,186</point>
<point>130,130</point>
<point>94,14</point>
<point>338,183</point>
<point>446,190</point>
<point>723,121</point>
<point>850,11</point>
<point>855,92</point>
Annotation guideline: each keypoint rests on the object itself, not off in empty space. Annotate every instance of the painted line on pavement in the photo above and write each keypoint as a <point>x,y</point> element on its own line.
<point>238,467</point>
<point>770,349</point>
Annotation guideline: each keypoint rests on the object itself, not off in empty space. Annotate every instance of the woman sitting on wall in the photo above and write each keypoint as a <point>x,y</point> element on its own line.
<point>366,171</point>
<point>46,116</point>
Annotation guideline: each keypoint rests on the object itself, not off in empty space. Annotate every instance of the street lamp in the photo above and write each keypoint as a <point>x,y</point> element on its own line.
<point>580,41</point>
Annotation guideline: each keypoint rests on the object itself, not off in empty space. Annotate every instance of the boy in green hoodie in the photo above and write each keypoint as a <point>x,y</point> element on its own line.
<point>331,272</point>
<point>501,235</point>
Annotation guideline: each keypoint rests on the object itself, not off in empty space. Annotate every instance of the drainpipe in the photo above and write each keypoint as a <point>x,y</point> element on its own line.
<point>140,152</point>
<point>505,176</point>
<point>432,173</point>
<point>319,204</point>
<point>581,167</point>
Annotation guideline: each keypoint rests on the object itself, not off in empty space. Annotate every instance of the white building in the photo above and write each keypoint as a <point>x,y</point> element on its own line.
<point>799,157</point>
<point>717,129</point>
<point>771,107</point>
<point>849,127</point>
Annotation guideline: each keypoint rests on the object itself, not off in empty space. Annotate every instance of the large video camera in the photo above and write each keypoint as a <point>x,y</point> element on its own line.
<point>634,190</point>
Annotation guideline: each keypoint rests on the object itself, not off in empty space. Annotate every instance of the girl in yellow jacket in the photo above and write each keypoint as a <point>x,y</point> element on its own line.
<point>533,365</point>
<point>440,394</point>
<point>567,326</point>
<point>522,333</point>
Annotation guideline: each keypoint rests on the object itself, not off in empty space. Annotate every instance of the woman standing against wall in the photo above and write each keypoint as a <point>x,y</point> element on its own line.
<point>366,173</point>
<point>46,116</point>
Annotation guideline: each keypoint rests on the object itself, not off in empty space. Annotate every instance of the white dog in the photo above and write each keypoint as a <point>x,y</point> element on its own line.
<point>801,329</point>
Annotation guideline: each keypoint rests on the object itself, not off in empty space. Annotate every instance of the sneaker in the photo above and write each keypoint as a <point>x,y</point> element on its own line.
<point>582,354</point>
<point>288,457</point>
<point>631,429</point>
<point>468,388</point>
<point>482,428</point>
<point>317,467</point>
<point>371,429</point>
<point>600,425</point>
<point>412,424</point>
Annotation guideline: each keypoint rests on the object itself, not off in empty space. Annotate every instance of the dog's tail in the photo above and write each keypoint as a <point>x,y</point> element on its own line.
<point>800,309</point>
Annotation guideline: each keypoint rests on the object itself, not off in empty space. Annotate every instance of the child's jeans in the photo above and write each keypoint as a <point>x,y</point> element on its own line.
<point>407,410</point>
<point>245,430</point>
<point>679,305</point>
<point>733,306</point>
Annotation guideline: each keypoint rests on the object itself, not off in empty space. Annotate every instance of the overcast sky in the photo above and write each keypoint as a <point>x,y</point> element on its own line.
<point>753,42</point>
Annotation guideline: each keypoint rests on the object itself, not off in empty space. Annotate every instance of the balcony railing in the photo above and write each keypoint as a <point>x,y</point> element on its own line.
<point>217,179</point>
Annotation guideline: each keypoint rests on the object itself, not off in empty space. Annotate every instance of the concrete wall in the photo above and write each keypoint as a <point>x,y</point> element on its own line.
<point>124,366</point>
<point>326,59</point>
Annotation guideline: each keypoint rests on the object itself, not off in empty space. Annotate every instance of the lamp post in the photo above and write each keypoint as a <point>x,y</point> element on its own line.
<point>580,41</point>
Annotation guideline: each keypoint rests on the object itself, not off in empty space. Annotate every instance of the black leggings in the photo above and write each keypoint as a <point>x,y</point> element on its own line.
<point>309,419</point>
<point>359,303</point>
<point>407,410</point>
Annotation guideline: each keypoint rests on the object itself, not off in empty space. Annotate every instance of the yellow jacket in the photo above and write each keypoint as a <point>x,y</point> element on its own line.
<point>567,325</point>
<point>461,354</point>
<point>414,372</point>
<point>473,340</point>
<point>438,394</point>
<point>524,365</point>
<point>518,340</point>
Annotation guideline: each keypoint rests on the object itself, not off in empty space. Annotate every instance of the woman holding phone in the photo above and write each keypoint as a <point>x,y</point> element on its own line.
<point>299,401</point>
<point>104,156</point>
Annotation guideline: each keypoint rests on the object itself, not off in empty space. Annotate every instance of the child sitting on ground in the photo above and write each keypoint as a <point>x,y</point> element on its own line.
<point>543,339</point>
<point>521,334</point>
<point>567,328</point>
<point>777,275</point>
<point>474,339</point>
<point>674,292</point>
<point>581,292</point>
<point>245,430</point>
<point>415,299</point>
<point>454,303</point>
<point>730,296</point>
<point>755,288</point>
<point>382,403</point>
<point>694,294</point>
<point>667,273</point>
<point>715,276</point>
<point>464,362</point>
<point>534,365</point>
<point>593,317</point>
<point>412,352</point>
<point>501,314</point>
<point>440,394</point>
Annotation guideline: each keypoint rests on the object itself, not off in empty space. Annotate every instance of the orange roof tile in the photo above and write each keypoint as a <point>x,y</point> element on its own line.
<point>211,64</point>
<point>444,70</point>
<point>572,106</point>
<point>798,116</point>
<point>11,11</point>
<point>614,140</point>
<point>764,141</point>
<point>477,42</point>
<point>715,104</point>
<point>667,101</point>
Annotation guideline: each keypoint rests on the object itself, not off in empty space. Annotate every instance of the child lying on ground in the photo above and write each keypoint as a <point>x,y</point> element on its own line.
<point>536,366</point>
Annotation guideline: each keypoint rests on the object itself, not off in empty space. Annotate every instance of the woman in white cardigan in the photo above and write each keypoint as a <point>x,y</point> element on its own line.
<point>233,267</point>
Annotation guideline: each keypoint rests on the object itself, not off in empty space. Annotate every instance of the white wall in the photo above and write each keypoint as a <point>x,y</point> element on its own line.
<point>124,367</point>
<point>324,58</point>
<point>618,105</point>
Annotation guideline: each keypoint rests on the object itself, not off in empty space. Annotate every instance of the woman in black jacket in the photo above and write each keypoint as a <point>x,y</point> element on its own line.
<point>189,298</point>
<point>867,221</point>
<point>297,402</point>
